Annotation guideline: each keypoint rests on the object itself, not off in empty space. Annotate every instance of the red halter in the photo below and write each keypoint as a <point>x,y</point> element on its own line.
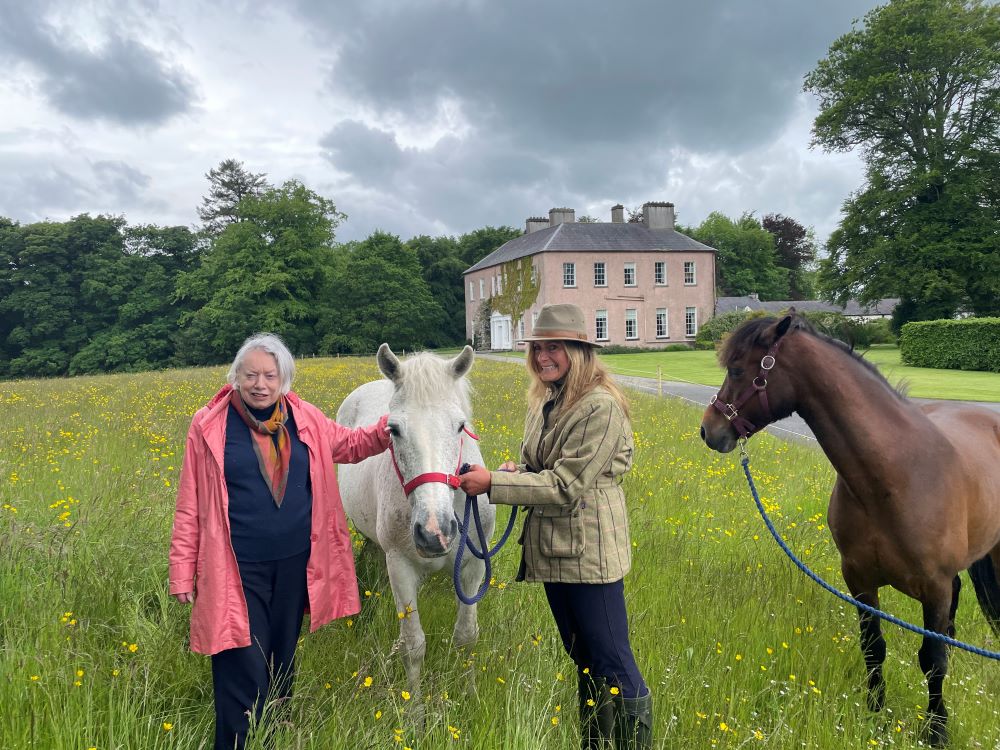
<point>429,477</point>
<point>743,426</point>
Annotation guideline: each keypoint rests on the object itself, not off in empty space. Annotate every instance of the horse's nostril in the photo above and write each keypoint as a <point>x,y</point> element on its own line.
<point>703,432</point>
<point>452,529</point>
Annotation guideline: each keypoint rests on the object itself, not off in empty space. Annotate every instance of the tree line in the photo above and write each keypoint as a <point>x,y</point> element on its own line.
<point>95,294</point>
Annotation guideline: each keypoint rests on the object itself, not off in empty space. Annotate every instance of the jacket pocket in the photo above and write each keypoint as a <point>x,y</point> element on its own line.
<point>561,535</point>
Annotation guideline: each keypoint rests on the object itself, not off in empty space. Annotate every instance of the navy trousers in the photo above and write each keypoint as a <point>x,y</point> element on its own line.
<point>244,679</point>
<point>593,626</point>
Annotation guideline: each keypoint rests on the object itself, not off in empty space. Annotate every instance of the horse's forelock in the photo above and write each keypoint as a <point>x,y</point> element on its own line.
<point>426,379</point>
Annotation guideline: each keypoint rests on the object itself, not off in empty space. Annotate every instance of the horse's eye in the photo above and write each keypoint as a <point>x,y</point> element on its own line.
<point>736,372</point>
<point>461,426</point>
<point>393,429</point>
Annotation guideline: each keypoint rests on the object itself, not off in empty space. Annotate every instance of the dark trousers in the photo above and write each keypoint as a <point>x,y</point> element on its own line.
<point>245,678</point>
<point>594,628</point>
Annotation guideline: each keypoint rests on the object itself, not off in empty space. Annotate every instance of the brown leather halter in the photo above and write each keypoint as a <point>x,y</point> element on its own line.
<point>743,426</point>
<point>428,477</point>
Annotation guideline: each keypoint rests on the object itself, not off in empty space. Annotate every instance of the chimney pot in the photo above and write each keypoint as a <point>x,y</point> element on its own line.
<point>618,214</point>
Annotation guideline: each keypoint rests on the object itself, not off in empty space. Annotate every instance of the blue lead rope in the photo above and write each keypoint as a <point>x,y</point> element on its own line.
<point>483,553</point>
<point>850,599</point>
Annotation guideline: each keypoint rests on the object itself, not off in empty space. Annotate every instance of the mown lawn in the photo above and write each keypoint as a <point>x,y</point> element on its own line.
<point>740,649</point>
<point>919,382</point>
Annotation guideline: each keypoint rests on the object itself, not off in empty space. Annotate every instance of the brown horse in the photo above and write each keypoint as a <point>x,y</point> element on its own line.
<point>917,495</point>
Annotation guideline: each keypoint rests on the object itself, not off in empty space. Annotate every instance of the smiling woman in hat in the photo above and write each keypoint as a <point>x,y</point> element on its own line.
<point>576,449</point>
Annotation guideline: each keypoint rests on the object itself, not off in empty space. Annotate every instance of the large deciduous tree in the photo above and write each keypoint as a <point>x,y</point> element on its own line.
<point>746,262</point>
<point>380,297</point>
<point>270,271</point>
<point>917,90</point>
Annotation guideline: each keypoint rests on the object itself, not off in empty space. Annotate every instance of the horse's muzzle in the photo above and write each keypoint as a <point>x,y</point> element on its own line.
<point>433,543</point>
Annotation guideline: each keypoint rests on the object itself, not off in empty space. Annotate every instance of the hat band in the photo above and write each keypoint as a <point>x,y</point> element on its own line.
<point>548,334</point>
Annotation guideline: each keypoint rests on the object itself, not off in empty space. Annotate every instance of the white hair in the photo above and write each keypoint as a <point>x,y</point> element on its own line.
<point>273,345</point>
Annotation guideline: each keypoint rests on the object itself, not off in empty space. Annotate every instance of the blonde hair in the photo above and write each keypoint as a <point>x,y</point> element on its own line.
<point>585,373</point>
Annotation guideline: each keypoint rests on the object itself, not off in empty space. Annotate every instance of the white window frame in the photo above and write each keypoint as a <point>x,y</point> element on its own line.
<point>472,291</point>
<point>660,272</point>
<point>601,317</point>
<point>631,316</point>
<point>690,279</point>
<point>630,266</point>
<point>569,275</point>
<point>690,321</point>
<point>493,286</point>
<point>604,273</point>
<point>482,289</point>
<point>661,313</point>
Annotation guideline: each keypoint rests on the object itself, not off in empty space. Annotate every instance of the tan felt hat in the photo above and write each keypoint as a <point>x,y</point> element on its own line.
<point>562,322</point>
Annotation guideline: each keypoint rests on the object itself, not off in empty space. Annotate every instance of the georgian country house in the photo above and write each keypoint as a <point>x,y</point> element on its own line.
<point>639,284</point>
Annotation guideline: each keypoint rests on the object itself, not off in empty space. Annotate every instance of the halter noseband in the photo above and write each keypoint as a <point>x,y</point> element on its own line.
<point>743,426</point>
<point>430,477</point>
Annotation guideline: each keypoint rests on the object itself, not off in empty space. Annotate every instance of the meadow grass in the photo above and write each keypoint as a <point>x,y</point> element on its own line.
<point>739,648</point>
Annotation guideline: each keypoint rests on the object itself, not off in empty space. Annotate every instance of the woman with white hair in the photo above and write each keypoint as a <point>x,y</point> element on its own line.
<point>259,531</point>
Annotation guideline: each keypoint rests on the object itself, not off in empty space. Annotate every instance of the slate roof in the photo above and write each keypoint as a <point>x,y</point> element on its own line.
<point>602,237</point>
<point>853,308</point>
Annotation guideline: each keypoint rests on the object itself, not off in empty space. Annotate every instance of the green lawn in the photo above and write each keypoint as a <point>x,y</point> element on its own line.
<point>920,382</point>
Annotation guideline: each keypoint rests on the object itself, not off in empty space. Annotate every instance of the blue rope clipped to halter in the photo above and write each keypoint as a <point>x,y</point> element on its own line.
<point>484,554</point>
<point>839,594</point>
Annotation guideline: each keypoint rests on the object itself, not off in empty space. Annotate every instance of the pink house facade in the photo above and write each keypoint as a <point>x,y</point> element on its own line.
<point>639,284</point>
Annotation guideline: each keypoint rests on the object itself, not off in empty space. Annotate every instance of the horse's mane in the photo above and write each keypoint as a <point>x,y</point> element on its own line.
<point>750,334</point>
<point>427,379</point>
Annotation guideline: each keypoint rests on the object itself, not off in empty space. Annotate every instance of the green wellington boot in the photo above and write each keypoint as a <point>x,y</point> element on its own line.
<point>597,713</point>
<point>633,722</point>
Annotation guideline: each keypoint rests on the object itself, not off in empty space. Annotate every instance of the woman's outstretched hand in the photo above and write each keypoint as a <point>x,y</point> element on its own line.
<point>476,480</point>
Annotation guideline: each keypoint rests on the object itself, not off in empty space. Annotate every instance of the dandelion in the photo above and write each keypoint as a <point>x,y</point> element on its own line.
<point>368,682</point>
<point>406,695</point>
<point>167,726</point>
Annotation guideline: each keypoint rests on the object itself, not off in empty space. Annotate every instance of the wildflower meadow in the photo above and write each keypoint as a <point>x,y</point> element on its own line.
<point>740,649</point>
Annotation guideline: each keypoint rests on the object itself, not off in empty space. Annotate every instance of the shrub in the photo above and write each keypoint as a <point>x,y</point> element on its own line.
<point>969,344</point>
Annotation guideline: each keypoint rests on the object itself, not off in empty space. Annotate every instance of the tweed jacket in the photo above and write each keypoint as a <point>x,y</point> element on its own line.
<point>569,478</point>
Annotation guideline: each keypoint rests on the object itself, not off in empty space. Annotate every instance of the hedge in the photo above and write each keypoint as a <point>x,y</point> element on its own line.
<point>968,344</point>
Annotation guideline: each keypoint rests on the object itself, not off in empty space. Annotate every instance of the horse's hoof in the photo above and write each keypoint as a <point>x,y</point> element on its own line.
<point>876,697</point>
<point>937,733</point>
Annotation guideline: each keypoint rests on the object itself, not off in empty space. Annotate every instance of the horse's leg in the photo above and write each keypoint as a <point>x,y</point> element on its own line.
<point>873,650</point>
<point>983,574</point>
<point>933,658</point>
<point>404,580</point>
<point>956,588</point>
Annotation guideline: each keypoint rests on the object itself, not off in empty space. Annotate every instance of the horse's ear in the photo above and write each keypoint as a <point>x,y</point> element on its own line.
<point>463,362</point>
<point>783,325</point>
<point>388,363</point>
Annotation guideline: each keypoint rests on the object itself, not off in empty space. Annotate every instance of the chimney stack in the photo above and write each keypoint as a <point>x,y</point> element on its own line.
<point>534,223</point>
<point>658,215</point>
<point>618,214</point>
<point>561,216</point>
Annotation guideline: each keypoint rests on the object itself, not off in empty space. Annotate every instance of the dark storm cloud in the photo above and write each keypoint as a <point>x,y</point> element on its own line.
<point>705,76</point>
<point>570,102</point>
<point>122,81</point>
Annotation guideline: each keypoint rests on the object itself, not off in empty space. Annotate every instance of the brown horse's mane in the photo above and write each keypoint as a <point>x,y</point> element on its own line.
<point>750,334</point>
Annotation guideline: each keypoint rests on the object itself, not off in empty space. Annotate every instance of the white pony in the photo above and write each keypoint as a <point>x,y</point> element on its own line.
<point>427,399</point>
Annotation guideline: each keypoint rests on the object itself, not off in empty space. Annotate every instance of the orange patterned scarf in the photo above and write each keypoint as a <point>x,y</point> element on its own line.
<point>273,453</point>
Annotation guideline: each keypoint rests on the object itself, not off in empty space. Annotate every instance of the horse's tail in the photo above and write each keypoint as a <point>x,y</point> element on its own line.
<point>984,580</point>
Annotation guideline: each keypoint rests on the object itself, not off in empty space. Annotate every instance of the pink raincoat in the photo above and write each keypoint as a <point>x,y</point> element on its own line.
<point>201,553</point>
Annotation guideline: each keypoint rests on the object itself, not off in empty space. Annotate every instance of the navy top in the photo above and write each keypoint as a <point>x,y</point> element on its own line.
<point>259,529</point>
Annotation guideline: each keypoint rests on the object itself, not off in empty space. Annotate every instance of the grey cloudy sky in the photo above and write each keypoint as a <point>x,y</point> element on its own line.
<point>432,117</point>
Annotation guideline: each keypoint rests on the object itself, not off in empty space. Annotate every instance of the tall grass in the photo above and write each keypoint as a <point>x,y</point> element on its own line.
<point>740,649</point>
